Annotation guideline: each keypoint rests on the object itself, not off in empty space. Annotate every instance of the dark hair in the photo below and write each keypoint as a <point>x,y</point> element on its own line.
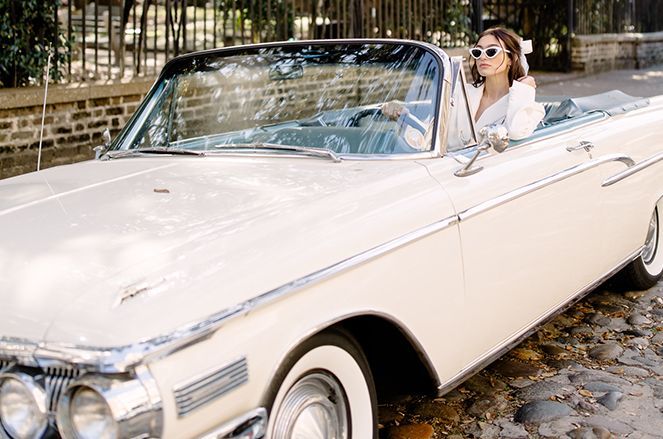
<point>508,40</point>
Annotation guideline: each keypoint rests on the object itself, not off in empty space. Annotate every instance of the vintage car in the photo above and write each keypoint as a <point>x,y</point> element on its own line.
<point>261,252</point>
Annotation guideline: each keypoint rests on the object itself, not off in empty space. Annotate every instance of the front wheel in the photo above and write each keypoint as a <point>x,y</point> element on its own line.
<point>647,269</point>
<point>326,391</point>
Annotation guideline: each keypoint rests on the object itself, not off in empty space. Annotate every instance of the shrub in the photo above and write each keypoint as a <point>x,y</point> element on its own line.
<point>28,30</point>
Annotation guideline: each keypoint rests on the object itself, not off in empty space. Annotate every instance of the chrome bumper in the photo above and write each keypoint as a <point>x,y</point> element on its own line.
<point>251,425</point>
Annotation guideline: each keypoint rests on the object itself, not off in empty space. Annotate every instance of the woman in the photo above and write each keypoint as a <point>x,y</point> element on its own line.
<point>502,91</point>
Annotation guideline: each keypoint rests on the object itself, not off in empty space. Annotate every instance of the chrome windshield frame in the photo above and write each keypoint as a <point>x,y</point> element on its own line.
<point>440,111</point>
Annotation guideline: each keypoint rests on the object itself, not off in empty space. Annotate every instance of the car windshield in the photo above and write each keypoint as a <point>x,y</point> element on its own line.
<point>292,98</point>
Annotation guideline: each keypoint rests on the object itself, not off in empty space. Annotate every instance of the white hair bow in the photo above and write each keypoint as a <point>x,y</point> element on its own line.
<point>525,48</point>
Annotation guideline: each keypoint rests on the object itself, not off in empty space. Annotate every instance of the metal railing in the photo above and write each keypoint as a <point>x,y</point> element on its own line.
<point>617,16</point>
<point>125,38</point>
<point>111,39</point>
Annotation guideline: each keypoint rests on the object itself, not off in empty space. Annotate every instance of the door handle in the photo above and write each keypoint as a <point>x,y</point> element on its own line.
<point>582,145</point>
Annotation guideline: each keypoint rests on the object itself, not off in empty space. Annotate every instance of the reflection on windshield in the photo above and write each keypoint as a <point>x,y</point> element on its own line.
<point>313,96</point>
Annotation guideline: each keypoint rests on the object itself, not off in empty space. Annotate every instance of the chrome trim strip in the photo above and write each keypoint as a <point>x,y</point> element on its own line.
<point>118,359</point>
<point>252,424</point>
<point>530,329</point>
<point>544,182</point>
<point>353,261</point>
<point>633,169</point>
<point>205,388</point>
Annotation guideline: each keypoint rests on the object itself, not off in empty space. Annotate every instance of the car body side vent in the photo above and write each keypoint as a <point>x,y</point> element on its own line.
<point>209,386</point>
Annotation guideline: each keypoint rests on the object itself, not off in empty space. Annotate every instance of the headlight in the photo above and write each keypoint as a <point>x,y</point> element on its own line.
<point>98,406</point>
<point>90,415</point>
<point>22,406</point>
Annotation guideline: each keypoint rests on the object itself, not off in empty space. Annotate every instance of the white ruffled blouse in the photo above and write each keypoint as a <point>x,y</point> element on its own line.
<point>516,110</point>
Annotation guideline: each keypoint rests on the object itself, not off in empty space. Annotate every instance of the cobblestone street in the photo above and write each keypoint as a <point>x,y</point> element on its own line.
<point>595,371</point>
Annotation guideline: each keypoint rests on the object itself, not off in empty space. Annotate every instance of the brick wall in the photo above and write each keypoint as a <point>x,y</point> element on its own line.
<point>603,52</point>
<point>76,116</point>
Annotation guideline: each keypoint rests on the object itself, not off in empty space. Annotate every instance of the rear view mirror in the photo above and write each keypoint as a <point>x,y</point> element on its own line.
<point>284,71</point>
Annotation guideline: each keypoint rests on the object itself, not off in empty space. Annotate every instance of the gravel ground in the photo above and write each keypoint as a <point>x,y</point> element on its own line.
<point>595,371</point>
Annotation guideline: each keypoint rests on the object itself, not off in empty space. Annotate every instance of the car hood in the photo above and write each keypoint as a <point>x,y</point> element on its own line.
<point>108,253</point>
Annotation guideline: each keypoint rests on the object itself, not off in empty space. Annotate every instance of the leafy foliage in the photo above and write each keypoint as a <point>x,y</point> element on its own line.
<point>28,30</point>
<point>457,29</point>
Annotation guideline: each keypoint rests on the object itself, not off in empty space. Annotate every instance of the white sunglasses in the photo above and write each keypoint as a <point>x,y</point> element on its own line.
<point>491,52</point>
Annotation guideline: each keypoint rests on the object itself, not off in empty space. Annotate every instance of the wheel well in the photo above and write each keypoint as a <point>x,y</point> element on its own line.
<point>398,367</point>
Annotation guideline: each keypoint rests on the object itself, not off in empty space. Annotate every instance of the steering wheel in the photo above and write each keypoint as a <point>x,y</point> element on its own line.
<point>375,113</point>
<point>406,118</point>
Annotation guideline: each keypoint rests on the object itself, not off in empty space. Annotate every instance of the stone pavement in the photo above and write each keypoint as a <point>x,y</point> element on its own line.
<point>646,82</point>
<point>595,371</point>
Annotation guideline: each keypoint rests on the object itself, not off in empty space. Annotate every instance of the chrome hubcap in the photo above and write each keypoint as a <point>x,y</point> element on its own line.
<point>314,408</point>
<point>649,251</point>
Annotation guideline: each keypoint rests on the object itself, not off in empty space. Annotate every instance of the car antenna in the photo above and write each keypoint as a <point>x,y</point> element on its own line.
<point>43,111</point>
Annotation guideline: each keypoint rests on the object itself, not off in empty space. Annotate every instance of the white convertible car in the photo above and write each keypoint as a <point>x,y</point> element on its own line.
<point>262,253</point>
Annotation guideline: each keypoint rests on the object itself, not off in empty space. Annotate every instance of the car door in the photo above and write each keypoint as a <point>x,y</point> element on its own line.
<point>628,202</point>
<point>529,230</point>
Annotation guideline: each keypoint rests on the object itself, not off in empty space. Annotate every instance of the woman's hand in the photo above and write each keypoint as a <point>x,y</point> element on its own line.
<point>393,109</point>
<point>529,80</point>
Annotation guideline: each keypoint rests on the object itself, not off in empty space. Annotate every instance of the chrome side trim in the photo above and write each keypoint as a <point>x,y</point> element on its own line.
<point>209,386</point>
<point>252,424</point>
<point>544,182</point>
<point>354,261</point>
<point>530,329</point>
<point>633,169</point>
<point>119,359</point>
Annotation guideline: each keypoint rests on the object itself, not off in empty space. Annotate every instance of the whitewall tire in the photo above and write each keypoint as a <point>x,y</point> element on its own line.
<point>326,392</point>
<point>647,269</point>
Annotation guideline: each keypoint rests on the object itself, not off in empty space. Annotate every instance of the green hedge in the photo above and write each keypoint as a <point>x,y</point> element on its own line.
<point>28,30</point>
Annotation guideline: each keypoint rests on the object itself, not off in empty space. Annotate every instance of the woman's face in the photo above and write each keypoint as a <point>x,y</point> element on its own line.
<point>492,66</point>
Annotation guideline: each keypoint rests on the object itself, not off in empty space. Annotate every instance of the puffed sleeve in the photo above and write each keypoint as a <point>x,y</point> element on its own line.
<point>523,113</point>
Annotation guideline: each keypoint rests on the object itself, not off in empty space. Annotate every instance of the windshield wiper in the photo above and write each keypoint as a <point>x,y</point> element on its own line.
<point>317,152</point>
<point>146,151</point>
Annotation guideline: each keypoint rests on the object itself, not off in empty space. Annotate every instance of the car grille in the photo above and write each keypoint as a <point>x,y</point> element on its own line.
<point>57,380</point>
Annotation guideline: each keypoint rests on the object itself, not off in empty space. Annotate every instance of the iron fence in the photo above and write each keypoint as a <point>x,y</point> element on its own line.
<point>123,38</point>
<point>111,39</point>
<point>616,16</point>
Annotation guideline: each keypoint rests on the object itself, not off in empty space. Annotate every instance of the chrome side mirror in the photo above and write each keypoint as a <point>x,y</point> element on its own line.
<point>492,136</point>
<point>496,136</point>
<point>99,150</point>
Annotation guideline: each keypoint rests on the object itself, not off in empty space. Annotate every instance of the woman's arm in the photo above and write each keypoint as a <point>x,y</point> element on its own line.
<point>523,112</point>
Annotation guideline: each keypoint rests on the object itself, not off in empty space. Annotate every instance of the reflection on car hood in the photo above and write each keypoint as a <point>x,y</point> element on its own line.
<point>106,253</point>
